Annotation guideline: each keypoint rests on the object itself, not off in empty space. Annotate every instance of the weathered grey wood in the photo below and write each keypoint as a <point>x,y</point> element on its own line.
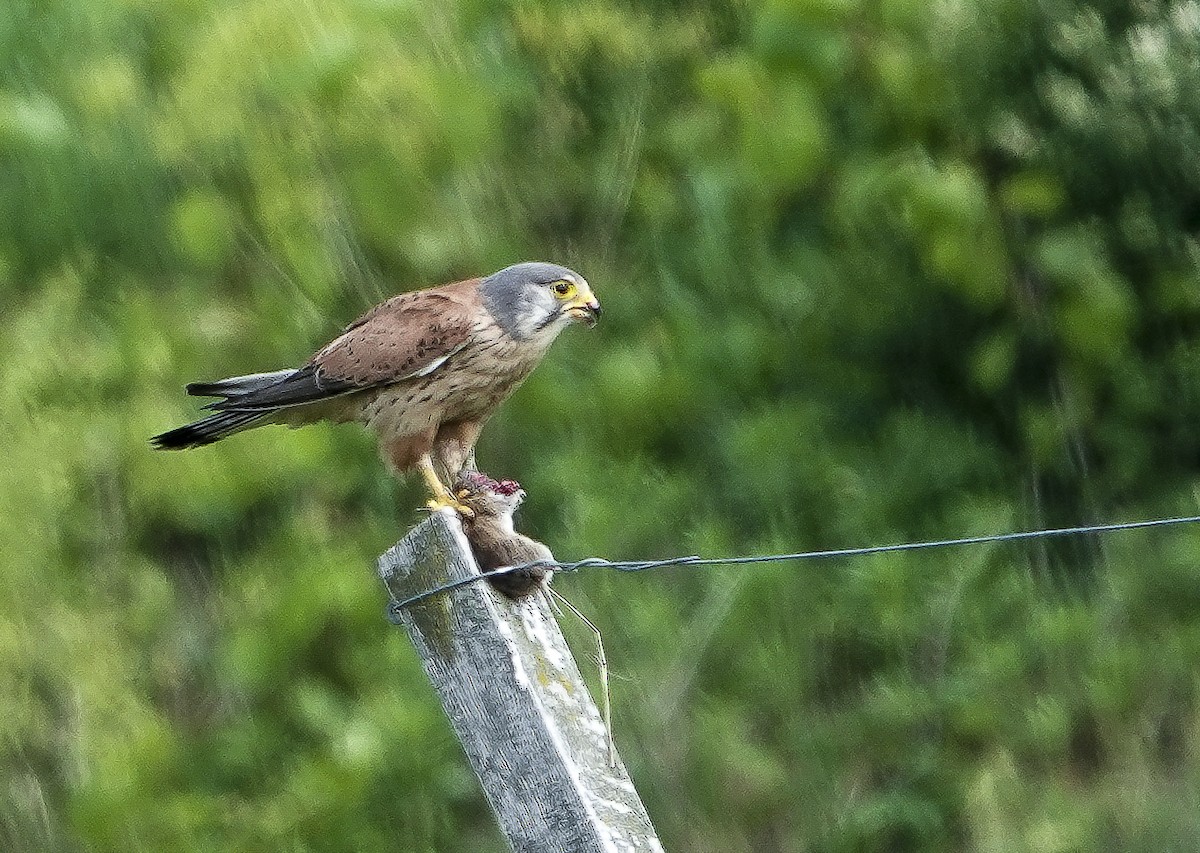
<point>517,702</point>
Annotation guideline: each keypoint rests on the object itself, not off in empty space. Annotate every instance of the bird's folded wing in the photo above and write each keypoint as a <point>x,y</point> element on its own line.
<point>409,336</point>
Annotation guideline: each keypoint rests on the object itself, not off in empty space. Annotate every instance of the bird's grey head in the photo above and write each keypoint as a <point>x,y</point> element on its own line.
<point>536,298</point>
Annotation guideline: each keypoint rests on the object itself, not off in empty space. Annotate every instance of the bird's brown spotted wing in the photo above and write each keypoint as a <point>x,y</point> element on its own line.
<point>407,336</point>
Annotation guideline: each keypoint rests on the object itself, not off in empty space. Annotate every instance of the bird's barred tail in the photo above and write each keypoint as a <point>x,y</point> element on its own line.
<point>206,431</point>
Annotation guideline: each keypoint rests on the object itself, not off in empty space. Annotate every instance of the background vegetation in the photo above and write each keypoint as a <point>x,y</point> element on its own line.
<point>873,270</point>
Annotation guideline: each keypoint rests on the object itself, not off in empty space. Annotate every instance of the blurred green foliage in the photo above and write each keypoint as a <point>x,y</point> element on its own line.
<point>872,271</point>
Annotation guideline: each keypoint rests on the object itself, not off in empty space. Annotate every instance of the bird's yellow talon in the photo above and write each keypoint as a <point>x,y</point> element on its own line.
<point>442,497</point>
<point>449,501</point>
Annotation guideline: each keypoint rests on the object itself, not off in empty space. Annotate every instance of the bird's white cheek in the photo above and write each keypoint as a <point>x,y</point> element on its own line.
<point>532,318</point>
<point>543,326</point>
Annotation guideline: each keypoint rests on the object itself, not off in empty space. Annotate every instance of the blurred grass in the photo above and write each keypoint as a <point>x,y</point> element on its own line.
<point>871,272</point>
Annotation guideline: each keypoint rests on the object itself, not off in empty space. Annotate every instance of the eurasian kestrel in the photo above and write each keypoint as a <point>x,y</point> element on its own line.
<point>423,370</point>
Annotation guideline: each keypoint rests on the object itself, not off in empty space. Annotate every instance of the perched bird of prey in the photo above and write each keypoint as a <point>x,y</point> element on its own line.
<point>423,370</point>
<point>494,541</point>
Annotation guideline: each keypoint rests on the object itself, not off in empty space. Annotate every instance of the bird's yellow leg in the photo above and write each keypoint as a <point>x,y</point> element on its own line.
<point>442,497</point>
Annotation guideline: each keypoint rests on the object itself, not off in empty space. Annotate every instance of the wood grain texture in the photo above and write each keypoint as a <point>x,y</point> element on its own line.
<point>517,702</point>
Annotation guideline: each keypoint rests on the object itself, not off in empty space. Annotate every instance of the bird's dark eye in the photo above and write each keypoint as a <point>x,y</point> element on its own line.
<point>564,288</point>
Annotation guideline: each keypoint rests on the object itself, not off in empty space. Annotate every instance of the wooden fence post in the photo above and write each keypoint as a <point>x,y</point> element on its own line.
<point>517,702</point>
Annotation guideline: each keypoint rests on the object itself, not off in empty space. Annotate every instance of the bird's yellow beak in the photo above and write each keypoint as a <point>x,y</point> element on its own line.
<point>584,306</point>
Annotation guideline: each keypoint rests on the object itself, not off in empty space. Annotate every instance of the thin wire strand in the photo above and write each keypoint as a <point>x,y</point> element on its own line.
<point>601,665</point>
<point>643,565</point>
